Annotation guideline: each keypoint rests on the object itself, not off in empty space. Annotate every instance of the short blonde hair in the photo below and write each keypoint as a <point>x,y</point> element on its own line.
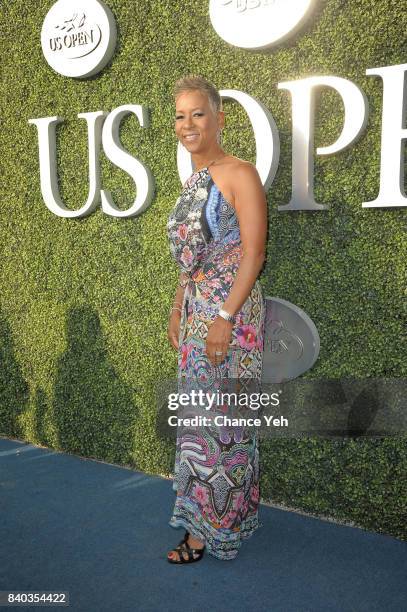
<point>192,82</point>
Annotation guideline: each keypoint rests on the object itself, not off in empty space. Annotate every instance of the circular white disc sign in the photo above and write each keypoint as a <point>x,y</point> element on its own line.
<point>78,37</point>
<point>257,24</point>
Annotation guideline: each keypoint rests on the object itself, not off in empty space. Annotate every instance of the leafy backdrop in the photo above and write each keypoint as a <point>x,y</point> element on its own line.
<point>84,302</point>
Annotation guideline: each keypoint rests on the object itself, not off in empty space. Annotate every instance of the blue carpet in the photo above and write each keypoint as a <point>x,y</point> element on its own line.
<point>101,532</point>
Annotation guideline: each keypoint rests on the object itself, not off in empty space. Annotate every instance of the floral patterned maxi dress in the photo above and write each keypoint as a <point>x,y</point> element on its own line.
<point>216,475</point>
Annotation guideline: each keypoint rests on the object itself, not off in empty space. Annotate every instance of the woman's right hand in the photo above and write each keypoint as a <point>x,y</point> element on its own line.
<point>173,328</point>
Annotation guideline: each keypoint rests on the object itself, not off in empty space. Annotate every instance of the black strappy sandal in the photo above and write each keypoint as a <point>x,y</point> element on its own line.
<point>184,547</point>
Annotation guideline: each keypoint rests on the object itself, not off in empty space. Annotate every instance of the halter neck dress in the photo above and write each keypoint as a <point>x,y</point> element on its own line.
<point>216,473</point>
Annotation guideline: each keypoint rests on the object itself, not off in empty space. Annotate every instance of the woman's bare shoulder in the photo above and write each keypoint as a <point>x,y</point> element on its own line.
<point>242,167</point>
<point>241,170</point>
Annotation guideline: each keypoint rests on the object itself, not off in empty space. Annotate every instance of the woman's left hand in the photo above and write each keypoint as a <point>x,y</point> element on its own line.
<point>218,339</point>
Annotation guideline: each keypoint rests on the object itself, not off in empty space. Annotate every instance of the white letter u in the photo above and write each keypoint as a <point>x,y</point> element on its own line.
<point>48,163</point>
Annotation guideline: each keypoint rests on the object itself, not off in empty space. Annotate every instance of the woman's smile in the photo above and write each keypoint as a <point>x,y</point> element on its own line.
<point>191,137</point>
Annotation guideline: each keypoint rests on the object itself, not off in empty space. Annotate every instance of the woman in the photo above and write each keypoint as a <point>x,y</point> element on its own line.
<point>217,234</point>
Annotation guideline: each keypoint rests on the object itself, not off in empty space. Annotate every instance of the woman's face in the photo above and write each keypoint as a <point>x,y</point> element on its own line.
<point>196,125</point>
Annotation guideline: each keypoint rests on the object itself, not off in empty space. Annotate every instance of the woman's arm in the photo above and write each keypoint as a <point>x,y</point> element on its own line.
<point>175,312</point>
<point>179,294</point>
<point>251,209</point>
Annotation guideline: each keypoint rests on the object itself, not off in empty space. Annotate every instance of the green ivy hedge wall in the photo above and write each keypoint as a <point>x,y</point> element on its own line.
<point>84,302</point>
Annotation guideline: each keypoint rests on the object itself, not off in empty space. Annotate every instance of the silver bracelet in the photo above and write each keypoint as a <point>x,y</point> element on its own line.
<point>225,315</point>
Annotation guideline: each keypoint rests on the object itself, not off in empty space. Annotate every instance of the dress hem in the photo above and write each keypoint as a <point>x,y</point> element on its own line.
<point>178,523</point>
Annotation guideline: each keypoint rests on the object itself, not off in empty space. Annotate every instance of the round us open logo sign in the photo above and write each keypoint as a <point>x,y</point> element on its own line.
<point>78,37</point>
<point>257,24</point>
